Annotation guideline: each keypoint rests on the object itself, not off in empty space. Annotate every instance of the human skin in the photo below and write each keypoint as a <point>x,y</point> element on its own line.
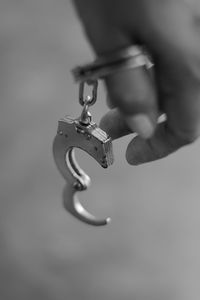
<point>169,30</point>
<point>150,251</point>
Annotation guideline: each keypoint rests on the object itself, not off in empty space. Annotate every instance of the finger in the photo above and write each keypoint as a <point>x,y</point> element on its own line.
<point>139,151</point>
<point>109,103</point>
<point>182,105</point>
<point>114,124</point>
<point>163,143</point>
<point>133,92</point>
<point>130,90</point>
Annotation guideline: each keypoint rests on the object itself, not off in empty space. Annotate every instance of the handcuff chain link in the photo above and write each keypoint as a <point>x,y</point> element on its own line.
<point>90,100</point>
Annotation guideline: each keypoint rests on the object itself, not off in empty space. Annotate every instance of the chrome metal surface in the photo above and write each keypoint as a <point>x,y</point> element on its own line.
<point>91,139</point>
<point>128,58</point>
<point>89,99</point>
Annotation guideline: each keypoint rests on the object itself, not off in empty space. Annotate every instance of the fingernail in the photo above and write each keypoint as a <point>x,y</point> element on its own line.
<point>141,124</point>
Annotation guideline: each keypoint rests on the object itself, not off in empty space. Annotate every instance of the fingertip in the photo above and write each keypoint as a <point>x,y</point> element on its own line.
<point>114,124</point>
<point>139,152</point>
<point>109,102</point>
<point>142,124</point>
<point>132,91</point>
<point>160,145</point>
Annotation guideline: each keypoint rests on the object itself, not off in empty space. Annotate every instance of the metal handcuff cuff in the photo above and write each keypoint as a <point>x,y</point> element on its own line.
<point>83,133</point>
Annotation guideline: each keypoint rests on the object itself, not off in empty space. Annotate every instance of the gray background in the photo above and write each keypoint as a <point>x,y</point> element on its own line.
<point>151,250</point>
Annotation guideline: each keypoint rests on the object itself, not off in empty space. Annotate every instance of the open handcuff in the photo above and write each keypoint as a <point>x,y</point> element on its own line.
<point>84,134</point>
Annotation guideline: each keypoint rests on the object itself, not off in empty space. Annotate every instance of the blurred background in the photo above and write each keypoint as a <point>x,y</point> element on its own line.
<point>151,250</point>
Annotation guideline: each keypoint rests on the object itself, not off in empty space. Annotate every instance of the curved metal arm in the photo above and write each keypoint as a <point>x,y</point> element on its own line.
<point>93,141</point>
<point>70,199</point>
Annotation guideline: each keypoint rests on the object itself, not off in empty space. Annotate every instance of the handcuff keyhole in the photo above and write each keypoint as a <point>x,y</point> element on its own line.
<point>95,148</point>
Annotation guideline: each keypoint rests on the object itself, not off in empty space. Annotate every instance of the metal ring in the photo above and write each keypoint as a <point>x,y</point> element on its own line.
<point>127,58</point>
<point>89,99</point>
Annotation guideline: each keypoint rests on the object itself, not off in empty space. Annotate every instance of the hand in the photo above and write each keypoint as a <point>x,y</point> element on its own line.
<point>170,30</point>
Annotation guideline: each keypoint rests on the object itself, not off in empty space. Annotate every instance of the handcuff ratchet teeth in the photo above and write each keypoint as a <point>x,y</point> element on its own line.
<point>84,134</point>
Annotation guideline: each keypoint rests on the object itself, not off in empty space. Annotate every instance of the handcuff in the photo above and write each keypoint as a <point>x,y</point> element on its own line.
<point>85,134</point>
